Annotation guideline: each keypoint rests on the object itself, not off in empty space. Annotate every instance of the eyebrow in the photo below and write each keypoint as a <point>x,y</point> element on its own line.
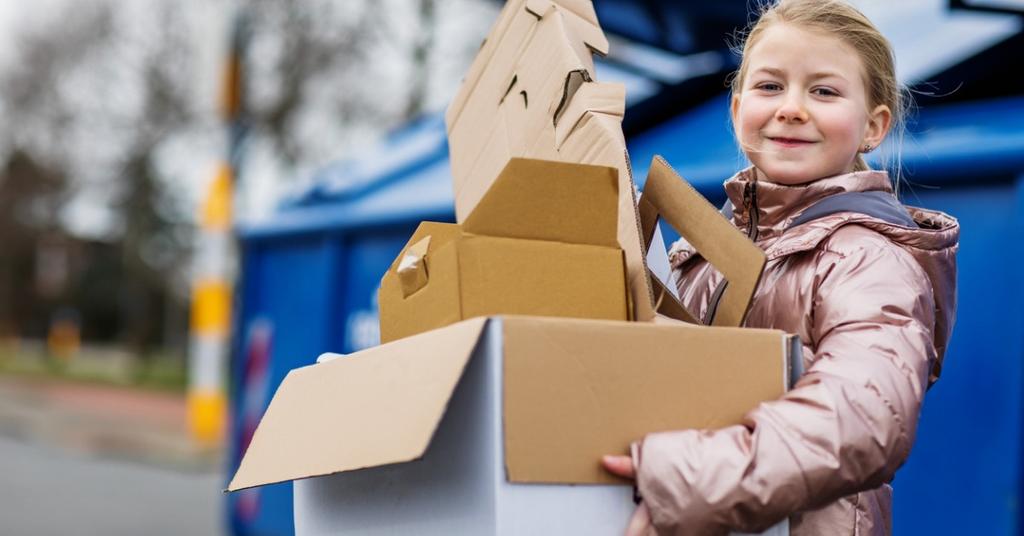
<point>814,76</point>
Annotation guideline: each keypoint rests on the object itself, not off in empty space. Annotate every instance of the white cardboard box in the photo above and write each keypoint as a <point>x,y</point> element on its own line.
<point>459,486</point>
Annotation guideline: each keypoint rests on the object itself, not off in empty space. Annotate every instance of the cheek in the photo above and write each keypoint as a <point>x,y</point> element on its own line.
<point>751,117</point>
<point>845,126</point>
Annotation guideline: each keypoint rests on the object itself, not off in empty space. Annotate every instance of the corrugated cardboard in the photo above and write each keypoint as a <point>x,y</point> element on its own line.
<point>541,242</point>
<point>531,92</point>
<point>667,195</point>
<point>577,390</point>
<point>572,391</point>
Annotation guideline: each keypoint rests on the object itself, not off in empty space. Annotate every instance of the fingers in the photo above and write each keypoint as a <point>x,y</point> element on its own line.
<point>619,465</point>
<point>640,523</point>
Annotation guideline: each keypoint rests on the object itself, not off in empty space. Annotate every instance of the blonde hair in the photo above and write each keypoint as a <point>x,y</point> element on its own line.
<point>837,18</point>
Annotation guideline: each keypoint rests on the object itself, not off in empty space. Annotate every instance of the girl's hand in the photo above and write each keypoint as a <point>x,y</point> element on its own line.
<point>619,465</point>
<point>640,523</point>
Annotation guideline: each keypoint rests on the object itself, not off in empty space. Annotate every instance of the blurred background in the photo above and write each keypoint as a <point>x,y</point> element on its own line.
<point>197,196</point>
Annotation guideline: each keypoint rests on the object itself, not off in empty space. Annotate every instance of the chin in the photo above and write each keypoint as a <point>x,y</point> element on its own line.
<point>788,176</point>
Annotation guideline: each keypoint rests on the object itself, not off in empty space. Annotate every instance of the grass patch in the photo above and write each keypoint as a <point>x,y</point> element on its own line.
<point>161,371</point>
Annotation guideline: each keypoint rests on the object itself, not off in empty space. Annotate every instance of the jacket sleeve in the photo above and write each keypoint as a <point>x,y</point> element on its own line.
<point>845,427</point>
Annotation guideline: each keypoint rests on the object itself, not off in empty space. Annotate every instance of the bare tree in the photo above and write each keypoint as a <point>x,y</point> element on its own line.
<point>96,96</point>
<point>324,77</point>
<point>104,97</point>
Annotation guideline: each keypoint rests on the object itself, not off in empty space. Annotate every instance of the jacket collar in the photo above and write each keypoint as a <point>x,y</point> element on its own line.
<point>777,204</point>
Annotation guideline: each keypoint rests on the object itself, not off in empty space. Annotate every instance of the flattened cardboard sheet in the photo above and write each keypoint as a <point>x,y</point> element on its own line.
<point>531,93</point>
<point>723,245</point>
<point>376,407</point>
<point>577,390</point>
<point>506,38</point>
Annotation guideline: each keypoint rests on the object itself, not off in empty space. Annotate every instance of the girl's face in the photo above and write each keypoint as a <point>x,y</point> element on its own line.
<point>802,110</point>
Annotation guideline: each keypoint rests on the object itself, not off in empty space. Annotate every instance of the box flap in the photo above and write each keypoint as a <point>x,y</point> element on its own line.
<point>666,303</point>
<point>577,389</point>
<point>589,98</point>
<point>518,121</point>
<point>509,31</point>
<point>429,306</point>
<point>547,200</point>
<point>723,245</point>
<point>412,268</point>
<point>377,407</point>
<point>589,30</point>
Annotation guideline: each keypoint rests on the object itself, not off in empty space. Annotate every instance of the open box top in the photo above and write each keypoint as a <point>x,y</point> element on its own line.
<point>554,201</point>
<point>541,242</point>
<point>572,389</point>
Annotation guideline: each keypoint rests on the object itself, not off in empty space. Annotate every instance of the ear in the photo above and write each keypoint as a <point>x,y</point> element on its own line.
<point>734,109</point>
<point>879,122</point>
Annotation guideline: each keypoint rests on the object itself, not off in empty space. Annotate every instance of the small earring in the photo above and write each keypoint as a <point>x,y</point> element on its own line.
<point>867,147</point>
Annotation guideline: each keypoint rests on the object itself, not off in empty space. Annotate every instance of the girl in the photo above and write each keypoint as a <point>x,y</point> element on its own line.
<point>867,284</point>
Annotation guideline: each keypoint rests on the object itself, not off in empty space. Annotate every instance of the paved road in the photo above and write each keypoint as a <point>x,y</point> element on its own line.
<point>46,490</point>
<point>92,460</point>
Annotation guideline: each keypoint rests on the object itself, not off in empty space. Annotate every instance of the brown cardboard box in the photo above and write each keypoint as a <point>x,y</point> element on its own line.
<point>490,404</point>
<point>541,242</point>
<point>572,388</point>
<point>570,391</point>
<point>531,92</point>
<point>556,393</point>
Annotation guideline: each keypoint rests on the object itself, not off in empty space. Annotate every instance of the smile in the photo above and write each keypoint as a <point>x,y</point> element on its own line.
<point>790,142</point>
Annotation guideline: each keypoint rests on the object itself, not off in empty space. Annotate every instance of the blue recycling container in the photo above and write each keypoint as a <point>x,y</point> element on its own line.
<point>310,275</point>
<point>308,285</point>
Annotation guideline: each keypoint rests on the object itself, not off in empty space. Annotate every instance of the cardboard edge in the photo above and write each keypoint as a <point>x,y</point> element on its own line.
<point>479,64</point>
<point>648,312</point>
<point>234,477</point>
<point>512,322</point>
<point>583,18</point>
<point>589,98</point>
<point>743,280</point>
<point>600,180</point>
<point>586,24</point>
<point>479,331</point>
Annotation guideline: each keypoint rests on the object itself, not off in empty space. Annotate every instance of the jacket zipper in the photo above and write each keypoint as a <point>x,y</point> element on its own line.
<point>750,205</point>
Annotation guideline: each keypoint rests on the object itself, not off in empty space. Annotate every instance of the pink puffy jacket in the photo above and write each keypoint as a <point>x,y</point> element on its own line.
<point>873,304</point>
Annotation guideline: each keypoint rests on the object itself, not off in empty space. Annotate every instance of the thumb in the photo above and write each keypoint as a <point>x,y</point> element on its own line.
<point>619,465</point>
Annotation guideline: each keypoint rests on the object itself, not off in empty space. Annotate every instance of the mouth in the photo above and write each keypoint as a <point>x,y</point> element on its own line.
<point>790,142</point>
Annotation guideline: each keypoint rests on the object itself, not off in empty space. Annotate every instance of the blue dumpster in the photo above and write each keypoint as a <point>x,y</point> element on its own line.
<point>308,284</point>
<point>310,275</point>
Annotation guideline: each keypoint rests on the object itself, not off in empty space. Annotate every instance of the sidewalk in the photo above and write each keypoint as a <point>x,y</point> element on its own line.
<point>98,459</point>
<point>104,421</point>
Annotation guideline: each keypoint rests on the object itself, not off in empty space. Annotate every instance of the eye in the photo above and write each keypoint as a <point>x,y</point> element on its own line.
<point>825,92</point>
<point>768,86</point>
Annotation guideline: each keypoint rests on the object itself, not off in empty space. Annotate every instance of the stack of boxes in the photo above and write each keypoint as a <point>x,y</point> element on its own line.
<point>529,339</point>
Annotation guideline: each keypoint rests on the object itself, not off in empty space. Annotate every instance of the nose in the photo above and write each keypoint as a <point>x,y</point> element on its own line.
<point>792,109</point>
